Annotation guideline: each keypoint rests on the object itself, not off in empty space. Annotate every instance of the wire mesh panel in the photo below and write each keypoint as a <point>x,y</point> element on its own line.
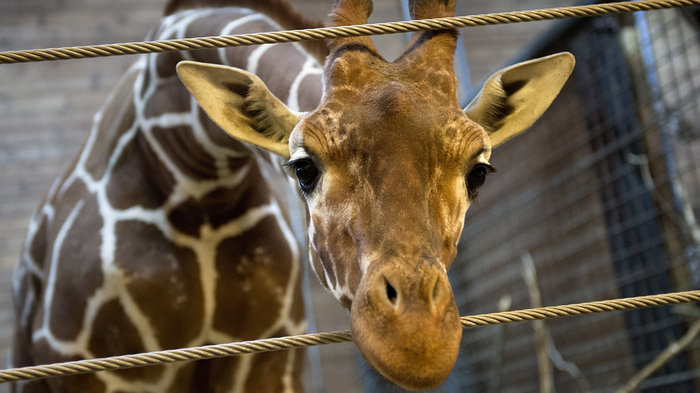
<point>598,200</point>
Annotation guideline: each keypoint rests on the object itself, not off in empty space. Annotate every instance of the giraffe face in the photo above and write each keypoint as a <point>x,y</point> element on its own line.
<point>392,175</point>
<point>388,165</point>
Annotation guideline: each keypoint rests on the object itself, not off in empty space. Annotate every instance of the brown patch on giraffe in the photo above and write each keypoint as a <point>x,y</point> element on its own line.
<point>186,217</point>
<point>222,205</point>
<point>221,138</point>
<point>29,290</point>
<point>117,117</point>
<point>139,178</point>
<point>278,10</point>
<point>37,245</point>
<point>236,163</point>
<point>309,100</point>
<point>169,97</point>
<point>85,383</point>
<point>267,371</point>
<point>182,382</point>
<point>165,63</point>
<point>214,375</point>
<point>78,383</point>
<point>152,264</point>
<point>113,334</point>
<point>279,82</point>
<point>78,274</point>
<point>236,56</point>
<point>215,22</point>
<point>254,271</point>
<point>23,347</point>
<point>40,386</point>
<point>186,152</point>
<point>297,313</point>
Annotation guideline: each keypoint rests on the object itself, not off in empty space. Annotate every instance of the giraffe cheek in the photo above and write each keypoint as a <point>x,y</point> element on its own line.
<point>452,224</point>
<point>317,267</point>
<point>449,251</point>
<point>335,271</point>
<point>451,240</point>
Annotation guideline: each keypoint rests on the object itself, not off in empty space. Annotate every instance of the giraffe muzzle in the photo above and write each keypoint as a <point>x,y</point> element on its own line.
<point>406,324</point>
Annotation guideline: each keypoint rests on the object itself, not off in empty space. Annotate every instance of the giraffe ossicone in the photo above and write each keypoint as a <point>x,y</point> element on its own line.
<point>387,165</point>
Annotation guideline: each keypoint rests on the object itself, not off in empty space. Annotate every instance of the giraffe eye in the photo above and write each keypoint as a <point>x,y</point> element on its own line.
<point>477,177</point>
<point>307,174</point>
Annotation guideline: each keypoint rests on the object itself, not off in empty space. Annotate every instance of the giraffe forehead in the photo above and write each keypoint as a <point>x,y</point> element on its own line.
<point>359,70</point>
<point>389,122</point>
<point>372,108</point>
<point>354,69</point>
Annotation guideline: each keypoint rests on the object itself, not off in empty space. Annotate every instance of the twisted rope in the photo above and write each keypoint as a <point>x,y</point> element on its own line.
<point>281,343</point>
<point>571,310</point>
<point>79,52</point>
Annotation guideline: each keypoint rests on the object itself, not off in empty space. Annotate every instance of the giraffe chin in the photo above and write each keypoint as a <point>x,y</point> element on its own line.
<point>412,339</point>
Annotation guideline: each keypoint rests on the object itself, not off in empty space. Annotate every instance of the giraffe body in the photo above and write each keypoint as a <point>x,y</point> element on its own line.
<point>167,233</point>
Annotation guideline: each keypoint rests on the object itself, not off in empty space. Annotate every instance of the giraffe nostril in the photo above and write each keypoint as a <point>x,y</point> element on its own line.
<point>390,292</point>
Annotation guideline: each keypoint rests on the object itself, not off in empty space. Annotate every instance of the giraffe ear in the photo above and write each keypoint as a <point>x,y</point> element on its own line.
<point>241,104</point>
<point>514,97</point>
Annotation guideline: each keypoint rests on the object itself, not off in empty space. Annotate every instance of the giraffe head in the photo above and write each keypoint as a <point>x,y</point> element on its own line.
<point>388,164</point>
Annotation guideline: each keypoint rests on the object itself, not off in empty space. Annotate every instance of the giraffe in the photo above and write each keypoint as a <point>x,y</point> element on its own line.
<point>163,220</point>
<point>387,165</point>
<point>167,233</point>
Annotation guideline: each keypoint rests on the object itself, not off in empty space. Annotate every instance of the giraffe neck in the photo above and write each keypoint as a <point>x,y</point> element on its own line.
<point>192,162</point>
<point>158,182</point>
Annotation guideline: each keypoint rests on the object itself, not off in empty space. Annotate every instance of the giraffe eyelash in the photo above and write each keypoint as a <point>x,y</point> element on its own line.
<point>476,178</point>
<point>306,172</point>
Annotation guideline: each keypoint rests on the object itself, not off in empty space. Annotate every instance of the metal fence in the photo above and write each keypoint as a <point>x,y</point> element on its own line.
<point>600,199</point>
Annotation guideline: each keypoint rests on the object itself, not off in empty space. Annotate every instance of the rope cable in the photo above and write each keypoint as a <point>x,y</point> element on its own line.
<point>79,52</point>
<point>282,343</point>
